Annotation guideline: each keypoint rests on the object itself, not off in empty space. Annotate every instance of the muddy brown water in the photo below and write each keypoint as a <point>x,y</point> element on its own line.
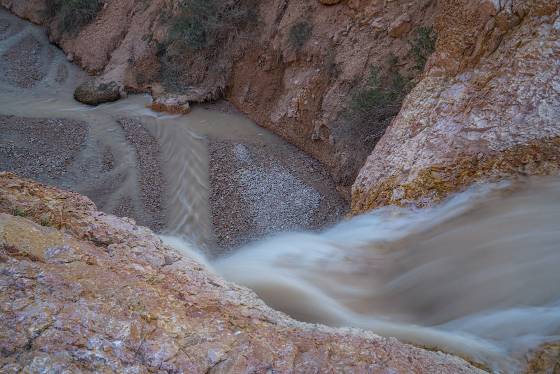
<point>477,276</point>
<point>116,165</point>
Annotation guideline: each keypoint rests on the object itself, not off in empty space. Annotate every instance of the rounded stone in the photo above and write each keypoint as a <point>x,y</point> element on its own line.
<point>92,93</point>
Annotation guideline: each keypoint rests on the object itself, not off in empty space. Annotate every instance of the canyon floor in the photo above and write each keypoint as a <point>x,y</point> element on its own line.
<point>255,184</point>
<point>129,238</point>
<point>86,291</point>
<point>259,190</point>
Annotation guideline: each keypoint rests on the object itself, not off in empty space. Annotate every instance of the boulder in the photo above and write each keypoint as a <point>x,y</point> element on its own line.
<point>93,93</point>
<point>178,104</point>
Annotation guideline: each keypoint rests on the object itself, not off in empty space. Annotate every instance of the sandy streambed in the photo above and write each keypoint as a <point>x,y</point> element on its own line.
<point>212,177</point>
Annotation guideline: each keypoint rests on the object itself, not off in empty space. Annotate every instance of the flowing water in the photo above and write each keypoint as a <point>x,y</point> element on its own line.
<point>477,275</point>
<point>182,139</point>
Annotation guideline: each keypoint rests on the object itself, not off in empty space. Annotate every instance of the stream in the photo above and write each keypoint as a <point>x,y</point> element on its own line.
<point>476,276</point>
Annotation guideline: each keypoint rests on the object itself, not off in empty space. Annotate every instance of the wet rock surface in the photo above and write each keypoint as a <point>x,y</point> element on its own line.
<point>91,292</point>
<point>258,190</point>
<point>545,359</point>
<point>171,104</point>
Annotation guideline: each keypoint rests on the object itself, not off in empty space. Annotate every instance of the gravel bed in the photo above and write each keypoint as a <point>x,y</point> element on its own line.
<point>152,183</point>
<point>23,65</point>
<point>108,159</point>
<point>61,73</point>
<point>40,149</point>
<point>259,190</point>
<point>125,208</point>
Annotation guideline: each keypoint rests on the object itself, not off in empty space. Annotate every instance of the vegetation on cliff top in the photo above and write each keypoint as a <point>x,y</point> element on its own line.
<point>423,45</point>
<point>207,23</point>
<point>373,106</point>
<point>74,14</point>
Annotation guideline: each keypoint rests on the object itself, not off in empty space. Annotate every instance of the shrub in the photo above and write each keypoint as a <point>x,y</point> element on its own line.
<point>206,23</point>
<point>299,34</point>
<point>378,101</point>
<point>202,26</point>
<point>423,45</point>
<point>19,212</point>
<point>45,220</point>
<point>74,14</point>
<point>196,25</point>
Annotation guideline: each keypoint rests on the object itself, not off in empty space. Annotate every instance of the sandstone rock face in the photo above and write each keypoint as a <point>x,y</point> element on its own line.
<point>487,108</point>
<point>87,292</point>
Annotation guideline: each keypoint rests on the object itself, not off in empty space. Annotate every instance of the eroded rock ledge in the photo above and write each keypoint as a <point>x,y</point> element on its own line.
<point>86,291</point>
<point>487,108</point>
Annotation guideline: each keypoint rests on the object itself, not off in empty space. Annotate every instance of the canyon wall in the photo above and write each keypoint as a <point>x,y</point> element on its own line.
<point>293,70</point>
<point>83,291</point>
<point>487,108</point>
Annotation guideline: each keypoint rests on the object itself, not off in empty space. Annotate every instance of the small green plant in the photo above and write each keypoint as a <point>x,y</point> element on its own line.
<point>375,97</point>
<point>377,102</point>
<point>45,220</point>
<point>196,25</point>
<point>19,212</point>
<point>299,34</point>
<point>74,14</point>
<point>371,94</point>
<point>423,45</point>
